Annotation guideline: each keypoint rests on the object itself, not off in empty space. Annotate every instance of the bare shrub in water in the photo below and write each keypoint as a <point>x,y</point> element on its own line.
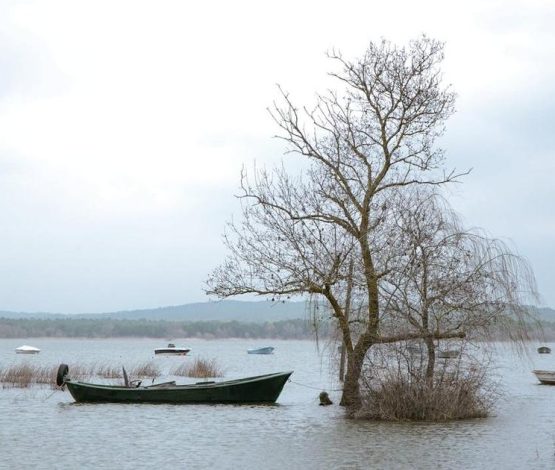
<point>459,389</point>
<point>200,368</point>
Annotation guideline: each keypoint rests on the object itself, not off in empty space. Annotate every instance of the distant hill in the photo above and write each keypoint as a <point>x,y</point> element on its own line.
<point>225,310</point>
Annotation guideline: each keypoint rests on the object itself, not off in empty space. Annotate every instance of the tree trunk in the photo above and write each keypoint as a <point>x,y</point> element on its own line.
<point>431,360</point>
<point>351,386</point>
<point>346,313</point>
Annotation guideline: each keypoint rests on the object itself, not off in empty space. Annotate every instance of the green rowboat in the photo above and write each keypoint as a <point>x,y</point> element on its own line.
<point>260,389</point>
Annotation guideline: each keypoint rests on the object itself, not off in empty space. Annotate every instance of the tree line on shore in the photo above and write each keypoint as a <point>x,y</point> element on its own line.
<point>107,328</point>
<point>113,328</point>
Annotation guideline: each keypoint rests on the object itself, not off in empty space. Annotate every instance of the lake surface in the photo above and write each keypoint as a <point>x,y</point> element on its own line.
<point>40,428</point>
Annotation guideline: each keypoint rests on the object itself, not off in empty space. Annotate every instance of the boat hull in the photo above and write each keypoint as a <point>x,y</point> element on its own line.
<point>267,350</point>
<point>171,352</point>
<point>546,377</point>
<point>448,354</point>
<point>261,389</point>
<point>27,350</point>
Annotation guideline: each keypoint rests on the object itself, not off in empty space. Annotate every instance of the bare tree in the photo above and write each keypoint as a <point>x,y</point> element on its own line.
<point>362,144</point>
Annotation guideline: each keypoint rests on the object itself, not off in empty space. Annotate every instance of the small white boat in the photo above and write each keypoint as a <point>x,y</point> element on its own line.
<point>171,350</point>
<point>27,350</point>
<point>264,350</point>
<point>546,377</point>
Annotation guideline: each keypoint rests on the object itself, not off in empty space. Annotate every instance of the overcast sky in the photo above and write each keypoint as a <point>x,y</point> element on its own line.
<point>124,126</point>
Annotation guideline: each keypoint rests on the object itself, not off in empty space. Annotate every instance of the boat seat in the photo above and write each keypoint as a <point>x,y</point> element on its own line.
<point>162,385</point>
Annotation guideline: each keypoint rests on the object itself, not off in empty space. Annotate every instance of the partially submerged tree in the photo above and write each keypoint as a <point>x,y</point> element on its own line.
<point>331,231</point>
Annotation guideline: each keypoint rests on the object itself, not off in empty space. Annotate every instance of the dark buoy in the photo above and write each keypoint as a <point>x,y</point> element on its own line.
<point>325,399</point>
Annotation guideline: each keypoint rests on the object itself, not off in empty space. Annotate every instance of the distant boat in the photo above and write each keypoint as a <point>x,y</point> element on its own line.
<point>27,350</point>
<point>171,350</point>
<point>546,377</point>
<point>264,350</point>
<point>414,349</point>
<point>544,350</point>
<point>448,354</point>
<point>260,389</point>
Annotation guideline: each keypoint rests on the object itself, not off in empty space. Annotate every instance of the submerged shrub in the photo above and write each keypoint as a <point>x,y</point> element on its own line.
<point>398,396</point>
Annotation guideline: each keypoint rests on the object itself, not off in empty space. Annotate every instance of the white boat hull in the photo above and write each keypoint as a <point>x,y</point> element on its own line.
<point>27,350</point>
<point>546,377</point>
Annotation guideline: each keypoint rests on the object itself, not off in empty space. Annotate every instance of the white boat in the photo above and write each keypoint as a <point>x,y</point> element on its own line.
<point>546,377</point>
<point>27,350</point>
<point>171,350</point>
<point>264,350</point>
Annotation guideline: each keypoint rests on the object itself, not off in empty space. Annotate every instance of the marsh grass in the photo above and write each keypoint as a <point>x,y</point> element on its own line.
<point>146,370</point>
<point>25,375</point>
<point>107,371</point>
<point>20,376</point>
<point>199,368</point>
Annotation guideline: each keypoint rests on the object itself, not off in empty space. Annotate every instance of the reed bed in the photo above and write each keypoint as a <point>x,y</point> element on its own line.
<point>199,368</point>
<point>21,376</point>
<point>25,375</point>
<point>106,371</point>
<point>146,370</point>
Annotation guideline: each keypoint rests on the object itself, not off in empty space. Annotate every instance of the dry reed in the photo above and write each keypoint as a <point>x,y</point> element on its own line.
<point>145,370</point>
<point>107,371</point>
<point>20,376</point>
<point>24,375</point>
<point>199,368</point>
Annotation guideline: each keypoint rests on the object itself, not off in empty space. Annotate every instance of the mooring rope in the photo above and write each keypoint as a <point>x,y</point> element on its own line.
<point>314,388</point>
<point>50,395</point>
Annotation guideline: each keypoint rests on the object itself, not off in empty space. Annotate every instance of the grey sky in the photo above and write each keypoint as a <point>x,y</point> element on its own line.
<point>124,126</point>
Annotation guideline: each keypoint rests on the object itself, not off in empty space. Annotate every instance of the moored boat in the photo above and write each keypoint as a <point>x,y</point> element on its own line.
<point>25,349</point>
<point>544,350</point>
<point>546,377</point>
<point>264,350</point>
<point>448,354</point>
<point>259,389</point>
<point>172,350</point>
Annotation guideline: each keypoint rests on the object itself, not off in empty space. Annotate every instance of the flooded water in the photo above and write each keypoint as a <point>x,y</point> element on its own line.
<point>42,429</point>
